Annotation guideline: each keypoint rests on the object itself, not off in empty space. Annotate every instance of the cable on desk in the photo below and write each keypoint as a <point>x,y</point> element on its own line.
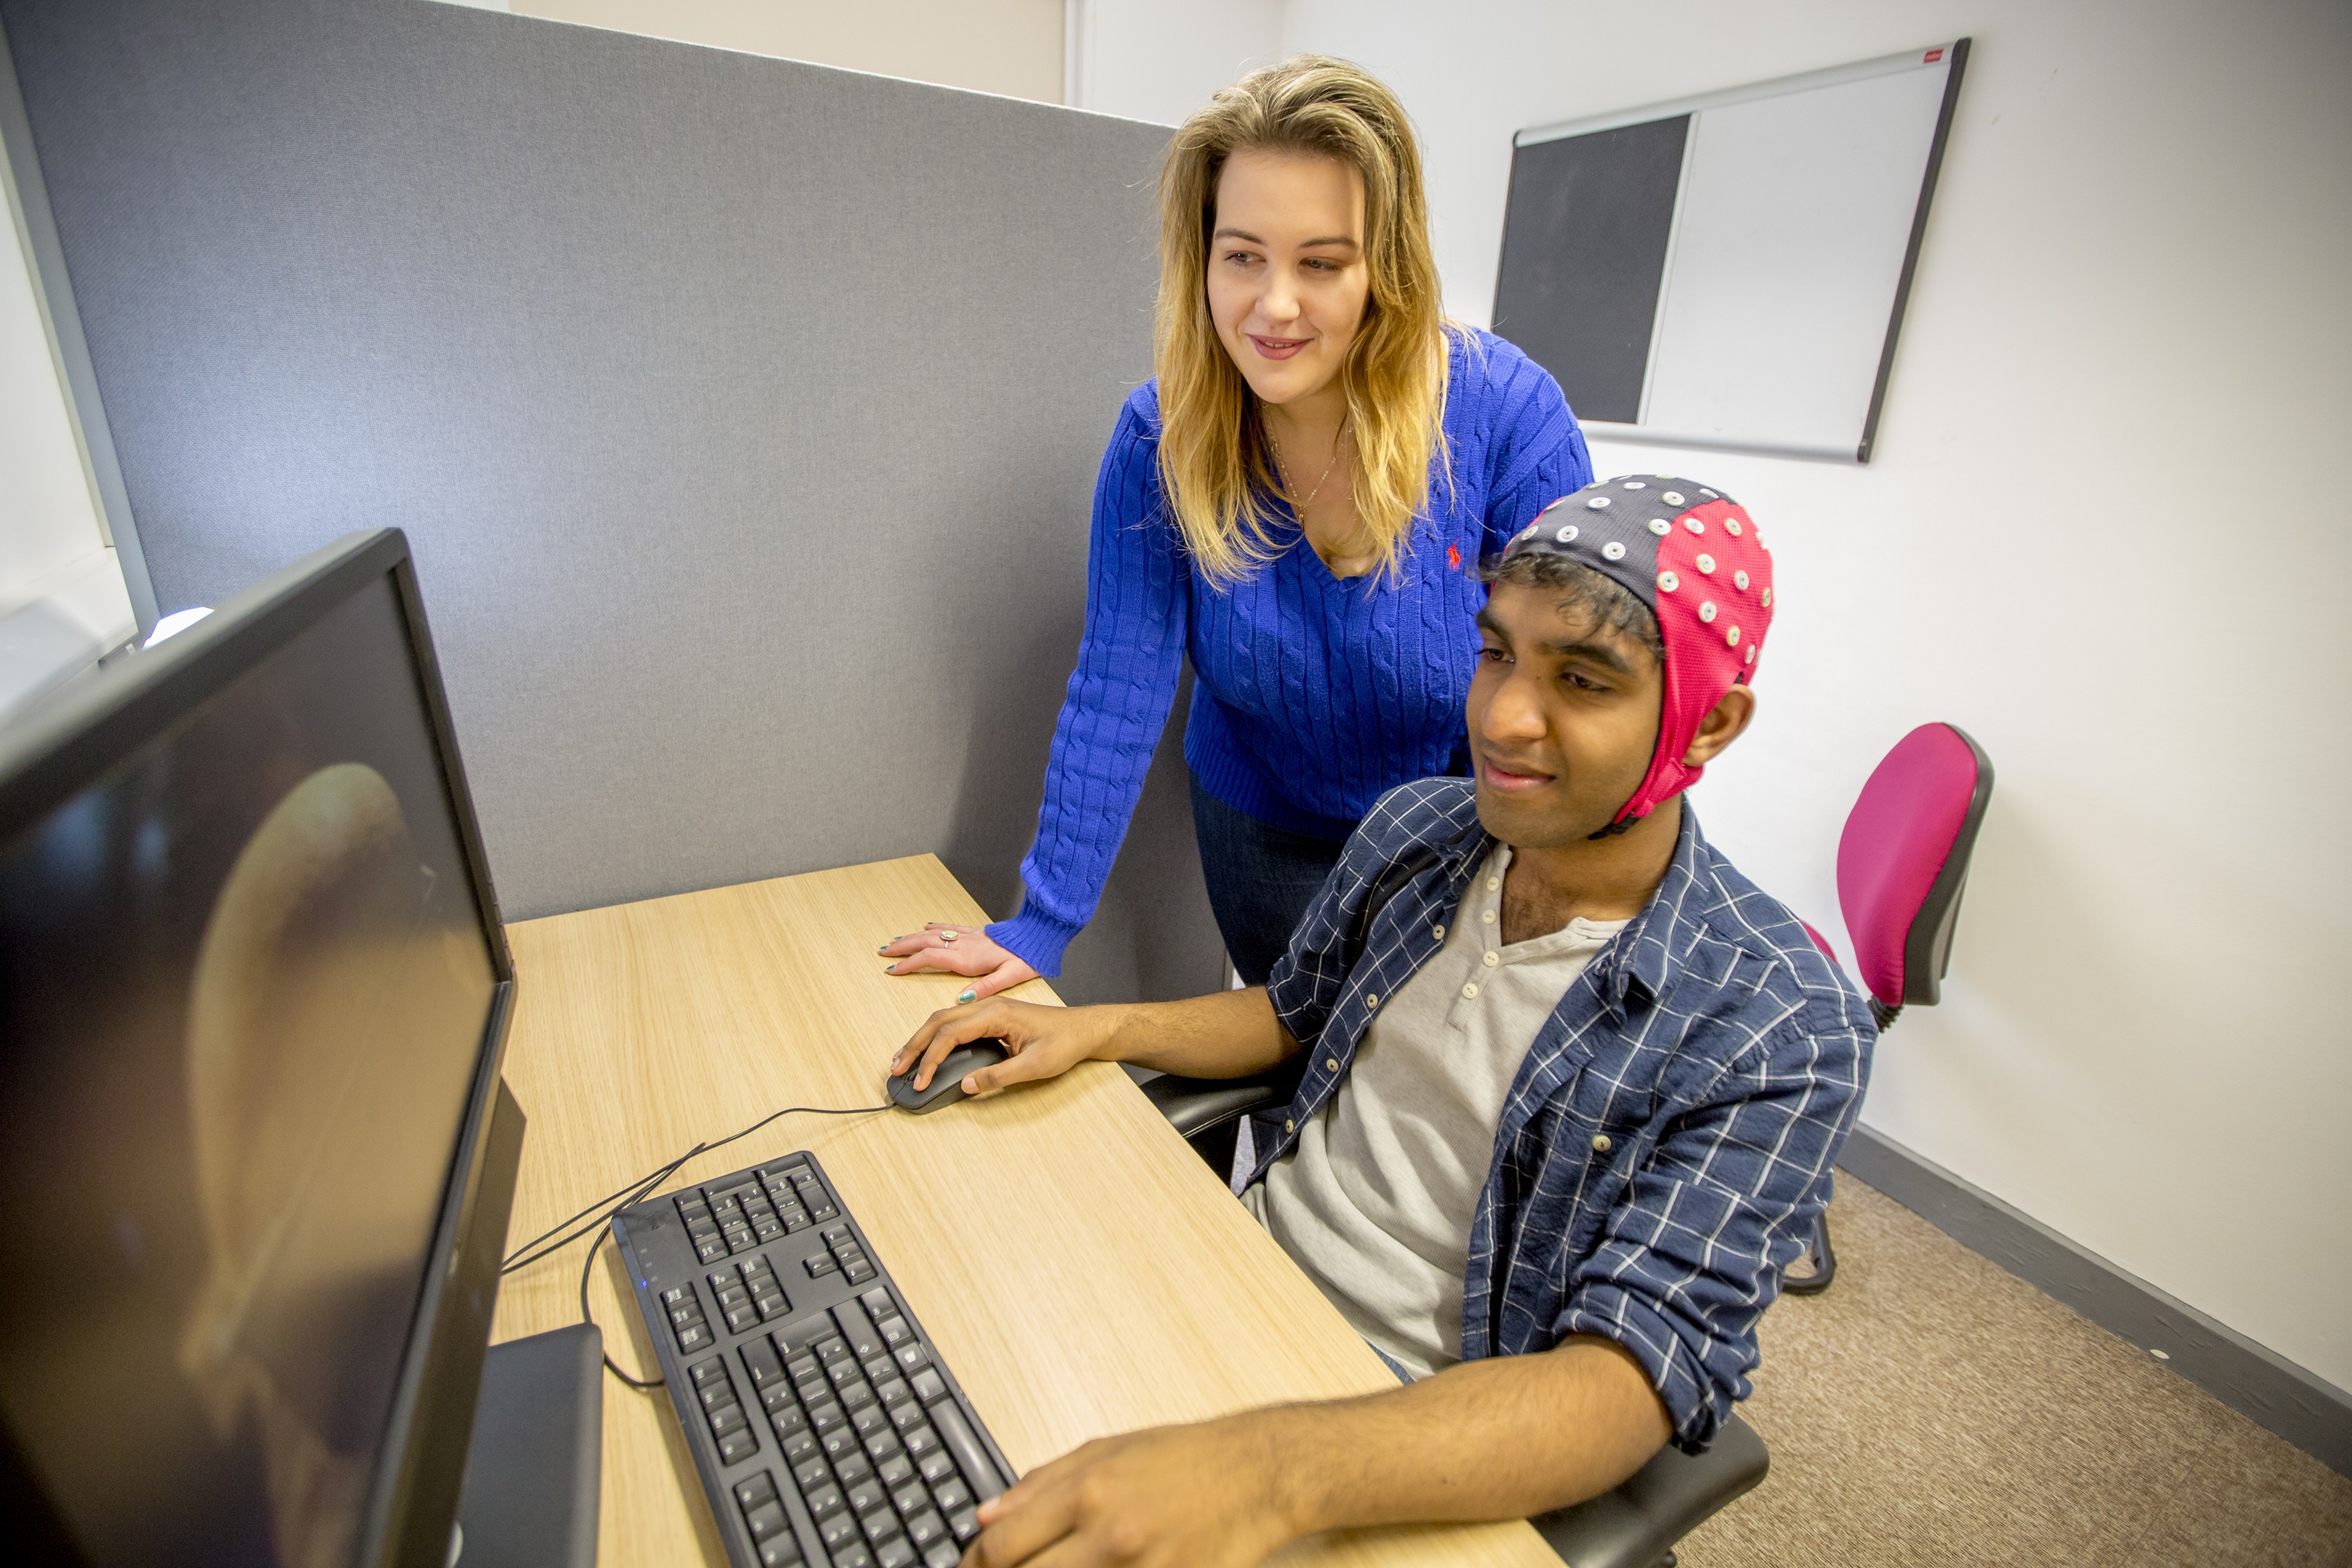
<point>613,1203</point>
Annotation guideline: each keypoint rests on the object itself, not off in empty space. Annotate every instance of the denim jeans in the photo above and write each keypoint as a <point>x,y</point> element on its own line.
<point>1261,878</point>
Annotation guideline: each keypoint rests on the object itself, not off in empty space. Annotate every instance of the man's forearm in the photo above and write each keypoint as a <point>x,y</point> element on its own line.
<point>1227,1034</point>
<point>1502,1438</point>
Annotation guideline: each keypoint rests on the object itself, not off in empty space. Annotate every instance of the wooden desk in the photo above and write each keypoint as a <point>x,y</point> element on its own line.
<point>1081,1269</point>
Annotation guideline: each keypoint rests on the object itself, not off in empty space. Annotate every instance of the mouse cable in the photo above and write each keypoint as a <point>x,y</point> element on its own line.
<point>631,1194</point>
<point>611,1203</point>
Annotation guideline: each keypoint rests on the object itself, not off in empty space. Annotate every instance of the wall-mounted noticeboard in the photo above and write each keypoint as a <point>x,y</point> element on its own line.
<point>1730,271</point>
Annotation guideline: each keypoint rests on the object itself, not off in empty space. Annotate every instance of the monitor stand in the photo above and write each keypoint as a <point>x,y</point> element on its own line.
<point>532,1473</point>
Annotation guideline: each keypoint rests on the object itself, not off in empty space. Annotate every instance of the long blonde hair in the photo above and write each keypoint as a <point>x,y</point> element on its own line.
<point>1214,459</point>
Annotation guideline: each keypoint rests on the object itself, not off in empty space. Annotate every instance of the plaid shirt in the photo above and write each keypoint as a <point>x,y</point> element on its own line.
<point>1665,1146</point>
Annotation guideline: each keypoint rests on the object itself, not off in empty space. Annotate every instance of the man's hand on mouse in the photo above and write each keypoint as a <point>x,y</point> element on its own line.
<point>943,947</point>
<point>1044,1042</point>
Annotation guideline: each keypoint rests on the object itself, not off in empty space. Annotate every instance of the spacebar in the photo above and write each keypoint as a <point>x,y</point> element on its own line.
<point>956,1433</point>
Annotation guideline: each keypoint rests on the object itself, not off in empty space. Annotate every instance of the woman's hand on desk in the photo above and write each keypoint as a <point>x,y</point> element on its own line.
<point>1044,1042</point>
<point>957,950</point>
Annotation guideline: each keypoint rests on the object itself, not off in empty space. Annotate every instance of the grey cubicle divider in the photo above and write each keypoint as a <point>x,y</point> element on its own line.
<point>743,413</point>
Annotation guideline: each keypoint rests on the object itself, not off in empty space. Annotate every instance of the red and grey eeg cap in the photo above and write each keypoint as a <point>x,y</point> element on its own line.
<point>1694,557</point>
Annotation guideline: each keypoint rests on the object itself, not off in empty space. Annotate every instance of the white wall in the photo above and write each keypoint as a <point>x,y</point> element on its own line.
<point>2103,532</point>
<point>1008,46</point>
<point>1162,61</point>
<point>54,548</point>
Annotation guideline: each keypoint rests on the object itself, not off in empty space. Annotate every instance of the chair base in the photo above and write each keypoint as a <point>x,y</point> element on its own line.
<point>1824,1258</point>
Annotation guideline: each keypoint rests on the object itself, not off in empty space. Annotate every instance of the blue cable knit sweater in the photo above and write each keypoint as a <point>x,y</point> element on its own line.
<point>1313,696</point>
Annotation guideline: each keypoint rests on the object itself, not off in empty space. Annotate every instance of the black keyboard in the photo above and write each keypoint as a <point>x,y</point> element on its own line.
<point>825,1424</point>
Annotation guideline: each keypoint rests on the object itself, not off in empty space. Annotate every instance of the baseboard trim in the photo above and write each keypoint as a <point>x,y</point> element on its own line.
<point>2306,1410</point>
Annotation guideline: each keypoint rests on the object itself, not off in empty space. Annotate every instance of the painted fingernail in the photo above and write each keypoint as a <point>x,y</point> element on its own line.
<point>965,994</point>
<point>889,968</point>
<point>884,948</point>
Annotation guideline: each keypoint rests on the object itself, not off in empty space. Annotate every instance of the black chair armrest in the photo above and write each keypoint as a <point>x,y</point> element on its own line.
<point>1636,1525</point>
<point>1197,1105</point>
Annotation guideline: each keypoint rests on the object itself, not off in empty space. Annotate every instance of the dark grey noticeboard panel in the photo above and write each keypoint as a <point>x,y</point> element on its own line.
<point>1584,255</point>
<point>743,413</point>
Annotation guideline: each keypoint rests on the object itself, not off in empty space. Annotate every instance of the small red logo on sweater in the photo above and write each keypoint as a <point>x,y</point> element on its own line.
<point>1454,556</point>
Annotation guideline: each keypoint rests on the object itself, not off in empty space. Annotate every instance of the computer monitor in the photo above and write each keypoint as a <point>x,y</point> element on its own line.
<point>255,1156</point>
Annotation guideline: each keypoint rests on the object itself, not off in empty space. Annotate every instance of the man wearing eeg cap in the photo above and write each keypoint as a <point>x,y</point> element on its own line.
<point>1572,1085</point>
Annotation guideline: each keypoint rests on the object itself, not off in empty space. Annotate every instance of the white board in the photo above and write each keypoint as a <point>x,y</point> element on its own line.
<point>1795,223</point>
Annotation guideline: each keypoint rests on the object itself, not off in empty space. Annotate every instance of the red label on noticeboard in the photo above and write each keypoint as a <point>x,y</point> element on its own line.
<point>1933,55</point>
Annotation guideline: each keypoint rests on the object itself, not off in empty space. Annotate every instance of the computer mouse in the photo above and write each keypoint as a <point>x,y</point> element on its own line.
<point>947,1084</point>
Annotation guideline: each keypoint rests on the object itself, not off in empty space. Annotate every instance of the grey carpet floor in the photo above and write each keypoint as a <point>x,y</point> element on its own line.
<point>1930,1407</point>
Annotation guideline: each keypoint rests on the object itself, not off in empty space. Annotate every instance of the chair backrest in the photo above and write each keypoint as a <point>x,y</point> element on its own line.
<point>1903,861</point>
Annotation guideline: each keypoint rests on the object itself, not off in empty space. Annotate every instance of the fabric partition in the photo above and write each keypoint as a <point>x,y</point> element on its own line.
<point>743,413</point>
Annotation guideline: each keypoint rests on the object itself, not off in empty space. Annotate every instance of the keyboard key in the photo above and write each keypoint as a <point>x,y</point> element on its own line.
<point>896,1553</point>
<point>929,1385</point>
<point>756,1490</point>
<point>911,1358</point>
<point>765,1520</point>
<point>827,1417</point>
<point>732,1295</point>
<point>801,1337</point>
<point>857,1329</point>
<point>694,1337</point>
<point>675,1294</point>
<point>912,1499</point>
<point>897,1470</point>
<point>785,1414</point>
<point>743,1320</point>
<point>896,1333</point>
<point>811,1472</point>
<point>823,1502</point>
<point>926,1528</point>
<point>768,1227</point>
<point>867,1495</point>
<point>780,1552</point>
<point>884,1444</point>
<point>963,1524</point>
<point>832,1348</point>
<point>919,1438</point>
<point>760,1361</point>
<point>857,1397</point>
<point>845,1372</point>
<point>965,1445</point>
<point>839,1441</point>
<point>822,1265</point>
<point>710,1251</point>
<point>728,1417</point>
<point>773,1305</point>
<point>906,1418</point>
<point>872,1418</point>
<point>941,1554</point>
<point>880,1526</point>
<point>853,1469</point>
<point>853,1556</point>
<point>837,1532</point>
<point>894,1392</point>
<point>716,1394</point>
<point>951,1495</point>
<point>937,1467</point>
<point>737,1446</point>
<point>800,1447</point>
<point>859,1273</point>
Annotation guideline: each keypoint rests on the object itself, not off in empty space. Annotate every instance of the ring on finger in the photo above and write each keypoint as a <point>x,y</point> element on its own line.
<point>950,934</point>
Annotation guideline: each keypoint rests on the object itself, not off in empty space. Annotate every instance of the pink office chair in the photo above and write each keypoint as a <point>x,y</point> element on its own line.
<point>1903,864</point>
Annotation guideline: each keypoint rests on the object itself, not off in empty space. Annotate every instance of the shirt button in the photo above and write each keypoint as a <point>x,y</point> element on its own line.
<point>1600,1142</point>
<point>1486,918</point>
<point>1493,883</point>
<point>1372,999</point>
<point>1288,1125</point>
<point>1493,959</point>
<point>1470,992</point>
<point>1331,1064</point>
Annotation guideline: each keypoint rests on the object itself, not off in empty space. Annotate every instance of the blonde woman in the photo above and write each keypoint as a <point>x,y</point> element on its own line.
<point>1297,502</point>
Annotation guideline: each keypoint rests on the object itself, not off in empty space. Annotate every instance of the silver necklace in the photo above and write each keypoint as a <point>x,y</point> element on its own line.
<point>1338,439</point>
